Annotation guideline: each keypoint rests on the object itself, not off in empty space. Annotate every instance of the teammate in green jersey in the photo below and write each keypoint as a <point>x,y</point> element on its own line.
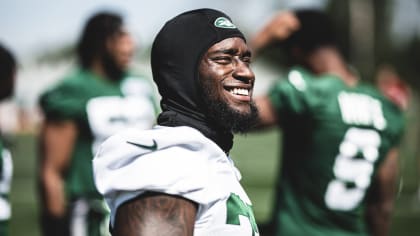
<point>7,80</point>
<point>87,106</point>
<point>340,136</point>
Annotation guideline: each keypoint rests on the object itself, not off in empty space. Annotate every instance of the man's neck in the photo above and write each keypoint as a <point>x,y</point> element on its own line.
<point>98,69</point>
<point>327,60</point>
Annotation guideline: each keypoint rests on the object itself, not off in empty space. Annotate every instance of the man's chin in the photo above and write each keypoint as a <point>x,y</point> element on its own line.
<point>245,119</point>
<point>243,111</point>
<point>236,119</point>
<point>233,116</point>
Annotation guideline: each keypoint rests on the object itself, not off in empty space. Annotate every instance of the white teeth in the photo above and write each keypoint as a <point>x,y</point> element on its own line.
<point>240,91</point>
<point>243,92</point>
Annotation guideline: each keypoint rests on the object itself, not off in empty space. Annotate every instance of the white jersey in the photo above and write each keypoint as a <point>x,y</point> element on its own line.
<point>178,161</point>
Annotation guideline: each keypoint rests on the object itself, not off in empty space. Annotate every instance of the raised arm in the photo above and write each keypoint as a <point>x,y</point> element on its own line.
<point>382,196</point>
<point>155,214</point>
<point>280,27</point>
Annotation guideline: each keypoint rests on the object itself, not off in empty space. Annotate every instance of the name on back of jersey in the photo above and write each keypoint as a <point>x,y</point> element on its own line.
<point>361,109</point>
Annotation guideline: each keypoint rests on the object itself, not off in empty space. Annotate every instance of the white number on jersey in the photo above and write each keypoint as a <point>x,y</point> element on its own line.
<point>236,209</point>
<point>351,170</point>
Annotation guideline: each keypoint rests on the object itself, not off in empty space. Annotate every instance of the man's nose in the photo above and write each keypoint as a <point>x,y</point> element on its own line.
<point>243,72</point>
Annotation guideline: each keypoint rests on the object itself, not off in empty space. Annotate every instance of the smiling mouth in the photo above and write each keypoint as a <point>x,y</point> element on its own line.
<point>239,91</point>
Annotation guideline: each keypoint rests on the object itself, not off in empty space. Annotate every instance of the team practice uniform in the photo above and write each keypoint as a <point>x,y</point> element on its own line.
<point>334,139</point>
<point>178,161</point>
<point>100,108</point>
<point>6,169</point>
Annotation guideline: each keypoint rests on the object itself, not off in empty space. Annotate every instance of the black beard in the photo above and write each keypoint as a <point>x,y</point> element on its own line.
<point>228,118</point>
<point>111,68</point>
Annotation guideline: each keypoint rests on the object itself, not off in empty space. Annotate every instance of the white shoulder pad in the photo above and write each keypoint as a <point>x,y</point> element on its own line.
<point>172,160</point>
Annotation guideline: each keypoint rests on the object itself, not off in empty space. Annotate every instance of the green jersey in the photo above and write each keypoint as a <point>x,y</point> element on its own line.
<point>6,169</point>
<point>334,139</point>
<point>99,108</point>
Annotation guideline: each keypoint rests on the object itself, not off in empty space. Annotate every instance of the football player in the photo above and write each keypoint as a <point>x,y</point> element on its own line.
<point>96,100</point>
<point>178,178</point>
<point>7,81</point>
<point>340,135</point>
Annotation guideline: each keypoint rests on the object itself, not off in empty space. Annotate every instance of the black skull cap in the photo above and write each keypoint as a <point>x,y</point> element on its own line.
<point>177,51</point>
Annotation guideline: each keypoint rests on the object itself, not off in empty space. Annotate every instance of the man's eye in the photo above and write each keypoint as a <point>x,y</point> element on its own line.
<point>223,60</point>
<point>246,59</point>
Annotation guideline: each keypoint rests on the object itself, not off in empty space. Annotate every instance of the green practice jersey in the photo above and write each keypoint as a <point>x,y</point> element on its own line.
<point>334,139</point>
<point>6,169</point>
<point>99,108</point>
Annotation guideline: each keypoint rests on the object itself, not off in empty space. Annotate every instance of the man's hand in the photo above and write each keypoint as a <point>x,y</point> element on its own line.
<point>282,25</point>
<point>279,28</point>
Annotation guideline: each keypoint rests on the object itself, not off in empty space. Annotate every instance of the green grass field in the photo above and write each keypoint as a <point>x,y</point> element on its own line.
<point>255,155</point>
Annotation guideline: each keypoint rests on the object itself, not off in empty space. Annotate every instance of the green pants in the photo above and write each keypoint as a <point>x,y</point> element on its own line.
<point>4,228</point>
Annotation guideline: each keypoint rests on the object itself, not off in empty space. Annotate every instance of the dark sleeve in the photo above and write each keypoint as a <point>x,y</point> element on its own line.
<point>291,97</point>
<point>64,102</point>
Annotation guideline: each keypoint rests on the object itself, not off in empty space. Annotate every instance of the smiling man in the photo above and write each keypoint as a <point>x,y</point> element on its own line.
<point>178,178</point>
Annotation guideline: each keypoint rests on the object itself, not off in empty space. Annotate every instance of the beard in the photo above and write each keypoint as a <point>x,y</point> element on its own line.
<point>227,117</point>
<point>111,67</point>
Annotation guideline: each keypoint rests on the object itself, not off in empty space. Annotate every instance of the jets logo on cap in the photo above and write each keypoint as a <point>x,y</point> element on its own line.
<point>223,22</point>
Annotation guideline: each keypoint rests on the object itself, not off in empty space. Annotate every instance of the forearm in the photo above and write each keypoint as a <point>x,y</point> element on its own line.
<point>379,219</point>
<point>54,193</point>
<point>381,197</point>
<point>57,139</point>
<point>279,28</point>
<point>260,41</point>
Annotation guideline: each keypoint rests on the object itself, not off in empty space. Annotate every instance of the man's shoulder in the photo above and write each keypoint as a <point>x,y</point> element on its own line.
<point>303,80</point>
<point>72,80</point>
<point>158,143</point>
<point>68,96</point>
<point>133,84</point>
<point>159,137</point>
<point>300,82</point>
<point>371,91</point>
<point>136,76</point>
<point>179,152</point>
<point>299,78</point>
